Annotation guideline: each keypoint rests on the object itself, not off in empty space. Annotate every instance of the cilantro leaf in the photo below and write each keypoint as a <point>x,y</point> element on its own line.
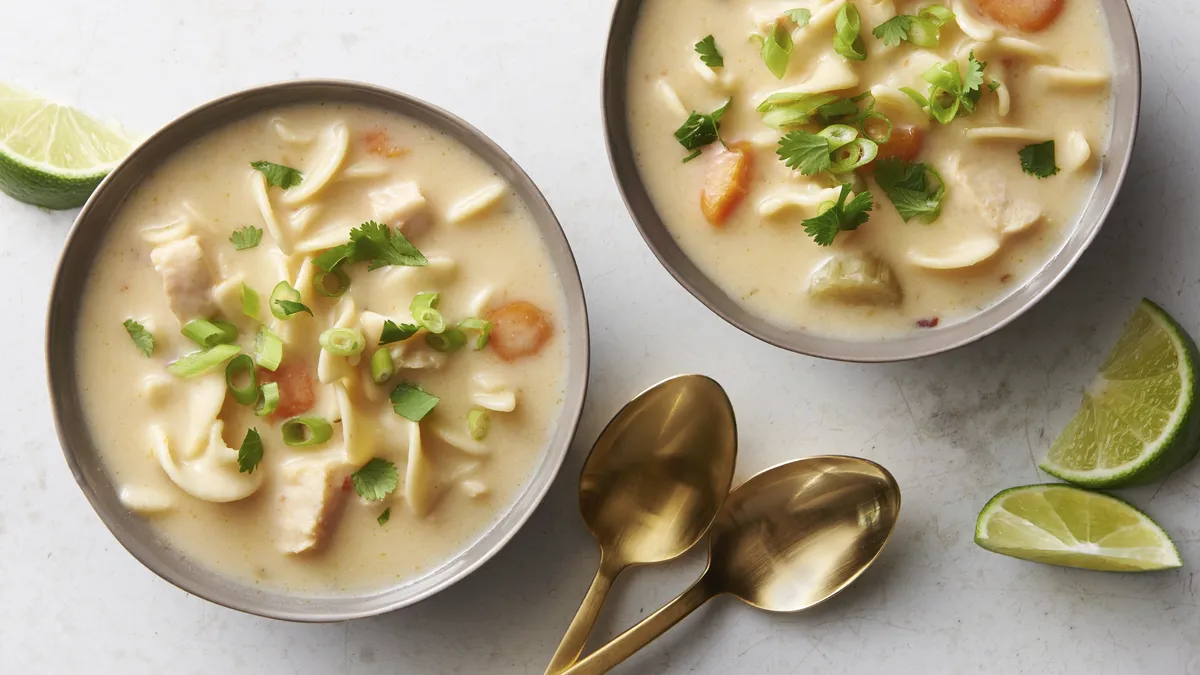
<point>142,338</point>
<point>1038,159</point>
<point>382,247</point>
<point>808,153</point>
<point>952,92</point>
<point>251,452</point>
<point>916,190</point>
<point>329,260</point>
<point>289,307</point>
<point>278,174</point>
<point>800,16</point>
<point>384,517</point>
<point>247,237</point>
<point>709,54</point>
<point>846,39</point>
<point>412,402</point>
<point>393,333</point>
<point>973,78</point>
<point>841,216</point>
<point>376,479</point>
<point>894,30</point>
<point>699,130</point>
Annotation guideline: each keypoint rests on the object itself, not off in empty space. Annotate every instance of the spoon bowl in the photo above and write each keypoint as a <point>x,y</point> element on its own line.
<point>650,488</point>
<point>789,538</point>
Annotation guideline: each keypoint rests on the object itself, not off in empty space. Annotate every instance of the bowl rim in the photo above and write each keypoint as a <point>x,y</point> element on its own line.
<point>94,221</point>
<point>1001,312</point>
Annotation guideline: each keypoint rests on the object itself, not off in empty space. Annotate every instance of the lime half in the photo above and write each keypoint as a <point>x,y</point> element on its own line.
<point>1138,421</point>
<point>1064,525</point>
<point>53,155</point>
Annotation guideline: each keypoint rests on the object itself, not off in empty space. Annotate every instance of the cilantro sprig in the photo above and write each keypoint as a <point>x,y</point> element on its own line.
<point>839,217</point>
<point>251,452</point>
<point>142,338</point>
<point>396,333</point>
<point>806,152</point>
<point>247,237</point>
<point>375,244</point>
<point>1038,159</point>
<point>699,130</point>
<point>951,92</point>
<point>377,479</point>
<point>279,175</point>
<point>915,189</point>
<point>922,29</point>
<point>709,54</point>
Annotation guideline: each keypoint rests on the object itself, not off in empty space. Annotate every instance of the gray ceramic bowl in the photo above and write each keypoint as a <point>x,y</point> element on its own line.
<point>73,271</point>
<point>1127,95</point>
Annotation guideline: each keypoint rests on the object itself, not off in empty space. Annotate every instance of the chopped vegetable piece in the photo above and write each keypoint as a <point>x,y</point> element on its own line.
<point>331,284</point>
<point>305,431</point>
<point>382,366</point>
<point>479,422</point>
<point>209,333</point>
<point>922,30</point>
<point>198,363</point>
<point>839,217</point>
<point>726,182</point>
<point>382,247</point>
<point>1038,159</point>
<point>412,402</point>
<point>278,174</point>
<point>297,388</point>
<point>699,130</point>
<point>1026,15</point>
<point>343,341</point>
<point>384,517</point>
<point>786,109</point>
<point>251,452</point>
<point>142,338</point>
<point>777,49</point>
<point>931,322</point>
<point>482,328</point>
<point>709,54</point>
<point>393,333</point>
<point>856,279</point>
<point>519,329</point>
<point>916,190</point>
<point>424,311</point>
<point>376,479</point>
<point>250,304</point>
<point>268,399</point>
<point>448,340</point>
<point>268,349</point>
<point>247,237</point>
<point>904,144</point>
<point>846,39</point>
<point>857,153</point>
<point>242,366</point>
<point>800,16</point>
<point>285,301</point>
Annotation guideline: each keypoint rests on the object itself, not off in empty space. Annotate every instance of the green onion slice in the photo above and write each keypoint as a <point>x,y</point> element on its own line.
<point>425,313</point>
<point>242,365</point>
<point>285,301</point>
<point>210,333</point>
<point>412,402</point>
<point>481,326</point>
<point>382,367</point>
<point>850,157</point>
<point>448,340</point>
<point>478,423</point>
<point>870,130</point>
<point>250,304</point>
<point>268,399</point>
<point>198,363</point>
<point>838,135</point>
<point>343,341</point>
<point>340,282</point>
<point>307,430</point>
<point>846,40</point>
<point>777,49</point>
<point>268,349</point>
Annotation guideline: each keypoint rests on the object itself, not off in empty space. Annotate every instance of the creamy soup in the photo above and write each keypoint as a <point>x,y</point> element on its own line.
<point>967,135</point>
<point>322,348</point>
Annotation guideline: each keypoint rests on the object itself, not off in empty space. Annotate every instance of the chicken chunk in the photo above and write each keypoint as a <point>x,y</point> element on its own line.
<point>308,501</point>
<point>187,280</point>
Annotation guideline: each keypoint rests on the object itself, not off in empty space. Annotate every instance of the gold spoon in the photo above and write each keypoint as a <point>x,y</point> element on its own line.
<point>789,538</point>
<point>652,485</point>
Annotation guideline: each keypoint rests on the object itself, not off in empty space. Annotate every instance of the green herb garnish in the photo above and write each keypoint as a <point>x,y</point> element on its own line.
<point>278,175</point>
<point>801,16</point>
<point>777,49</point>
<point>412,402</point>
<point>376,479</point>
<point>142,338</point>
<point>840,216</point>
<point>251,452</point>
<point>805,152</point>
<point>699,130</point>
<point>709,54</point>
<point>384,517</point>
<point>916,190</point>
<point>922,30</point>
<point>382,247</point>
<point>1038,159</point>
<point>396,333</point>
<point>247,237</point>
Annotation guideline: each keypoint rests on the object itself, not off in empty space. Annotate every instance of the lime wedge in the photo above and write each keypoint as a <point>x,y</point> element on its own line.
<point>53,155</point>
<point>1139,419</point>
<point>1064,525</point>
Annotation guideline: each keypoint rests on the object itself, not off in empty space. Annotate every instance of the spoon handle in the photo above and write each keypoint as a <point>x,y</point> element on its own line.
<point>581,626</point>
<point>625,644</point>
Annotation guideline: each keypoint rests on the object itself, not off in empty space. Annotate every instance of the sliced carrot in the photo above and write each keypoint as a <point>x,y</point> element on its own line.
<point>905,144</point>
<point>519,329</point>
<point>725,183</point>
<point>1026,15</point>
<point>297,389</point>
<point>379,143</point>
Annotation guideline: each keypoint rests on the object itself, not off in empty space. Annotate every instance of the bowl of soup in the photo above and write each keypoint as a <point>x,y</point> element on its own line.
<point>872,180</point>
<point>316,350</point>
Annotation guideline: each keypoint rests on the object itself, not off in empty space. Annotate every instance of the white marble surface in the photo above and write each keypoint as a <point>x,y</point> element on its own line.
<point>954,429</point>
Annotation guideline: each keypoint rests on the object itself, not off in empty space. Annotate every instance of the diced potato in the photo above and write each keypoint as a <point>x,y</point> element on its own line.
<point>1026,15</point>
<point>856,279</point>
<point>725,183</point>
<point>519,329</point>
